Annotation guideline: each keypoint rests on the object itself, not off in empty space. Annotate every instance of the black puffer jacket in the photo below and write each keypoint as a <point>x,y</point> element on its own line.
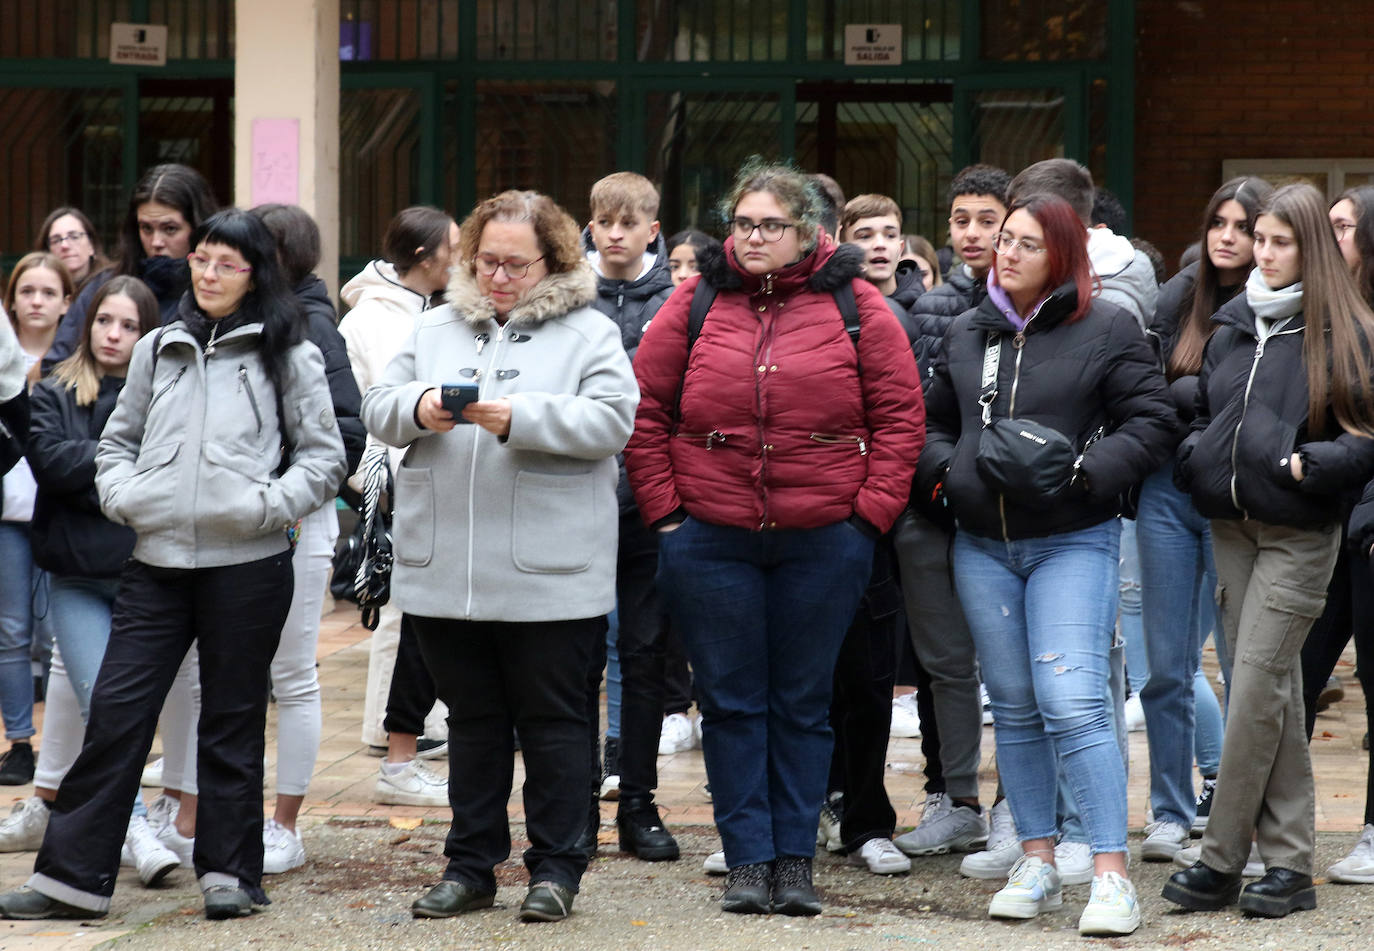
<point>1361,533</point>
<point>1074,377</point>
<point>632,304</point>
<point>910,284</point>
<point>1251,417</point>
<point>934,312</point>
<point>69,535</point>
<point>322,329</point>
<point>1175,300</point>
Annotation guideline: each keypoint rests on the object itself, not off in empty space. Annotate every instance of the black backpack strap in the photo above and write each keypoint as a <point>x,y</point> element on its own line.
<point>703,296</point>
<point>849,310</point>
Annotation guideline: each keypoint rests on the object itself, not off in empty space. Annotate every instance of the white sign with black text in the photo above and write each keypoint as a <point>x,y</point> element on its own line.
<point>873,44</point>
<point>138,44</point>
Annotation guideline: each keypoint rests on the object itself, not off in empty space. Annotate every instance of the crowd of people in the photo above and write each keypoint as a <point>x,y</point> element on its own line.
<point>775,476</point>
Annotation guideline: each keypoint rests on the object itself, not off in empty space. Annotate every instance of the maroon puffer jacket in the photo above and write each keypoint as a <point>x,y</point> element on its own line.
<point>777,428</point>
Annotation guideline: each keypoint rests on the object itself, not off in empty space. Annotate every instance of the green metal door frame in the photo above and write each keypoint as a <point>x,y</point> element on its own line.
<point>425,84</point>
<point>1072,83</point>
<point>635,154</point>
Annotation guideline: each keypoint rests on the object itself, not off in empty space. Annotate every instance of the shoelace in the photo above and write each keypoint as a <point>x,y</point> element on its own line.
<point>1110,888</point>
<point>935,807</point>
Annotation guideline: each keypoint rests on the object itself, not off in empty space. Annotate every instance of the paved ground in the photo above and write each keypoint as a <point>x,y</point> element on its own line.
<point>368,862</point>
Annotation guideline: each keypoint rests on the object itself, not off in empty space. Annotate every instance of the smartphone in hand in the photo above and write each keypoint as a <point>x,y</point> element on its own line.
<point>454,396</point>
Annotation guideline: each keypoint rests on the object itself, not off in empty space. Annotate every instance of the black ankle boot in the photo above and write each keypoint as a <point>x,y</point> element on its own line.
<point>1279,892</point>
<point>642,831</point>
<point>747,889</point>
<point>1202,888</point>
<point>793,893</point>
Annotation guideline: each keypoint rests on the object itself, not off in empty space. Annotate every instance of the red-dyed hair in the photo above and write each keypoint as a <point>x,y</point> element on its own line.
<point>1065,244</point>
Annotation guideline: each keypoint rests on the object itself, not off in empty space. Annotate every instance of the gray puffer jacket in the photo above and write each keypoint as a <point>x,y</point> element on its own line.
<point>190,455</point>
<point>521,527</point>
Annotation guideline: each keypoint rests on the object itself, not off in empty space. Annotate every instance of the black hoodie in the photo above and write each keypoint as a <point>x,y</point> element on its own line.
<point>632,304</point>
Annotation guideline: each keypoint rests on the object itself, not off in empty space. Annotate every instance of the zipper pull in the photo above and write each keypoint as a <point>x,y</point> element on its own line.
<point>768,283</point>
<point>1019,340</point>
<point>500,332</point>
<point>863,447</point>
<point>243,376</point>
<point>620,300</point>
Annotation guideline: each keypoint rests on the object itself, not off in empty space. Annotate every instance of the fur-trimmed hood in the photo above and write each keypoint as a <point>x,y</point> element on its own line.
<point>554,296</point>
<point>826,268</point>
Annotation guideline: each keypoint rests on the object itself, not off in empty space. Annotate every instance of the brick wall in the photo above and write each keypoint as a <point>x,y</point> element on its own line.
<point>1219,79</point>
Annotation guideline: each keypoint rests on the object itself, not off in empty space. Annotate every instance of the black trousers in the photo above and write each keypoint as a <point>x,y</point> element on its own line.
<point>412,693</point>
<point>234,614</point>
<point>677,675</point>
<point>642,641</point>
<point>532,677</point>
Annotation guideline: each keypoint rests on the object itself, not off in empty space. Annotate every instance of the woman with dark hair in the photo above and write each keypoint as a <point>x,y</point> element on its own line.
<point>1036,569</point>
<point>507,571</point>
<point>386,299</point>
<point>168,203</point>
<point>1281,442</point>
<point>223,438</point>
<point>684,252</point>
<point>1178,577</point>
<point>69,234</point>
<point>771,450</point>
<point>295,683</point>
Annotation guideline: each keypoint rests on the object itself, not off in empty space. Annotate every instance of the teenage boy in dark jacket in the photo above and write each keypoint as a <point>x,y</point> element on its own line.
<point>625,249</point>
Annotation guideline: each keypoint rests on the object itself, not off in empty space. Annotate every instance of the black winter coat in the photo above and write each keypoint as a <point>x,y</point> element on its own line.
<point>321,329</point>
<point>1175,300</point>
<point>934,312</point>
<point>1251,417</point>
<point>632,304</point>
<point>1074,377</point>
<point>69,534</point>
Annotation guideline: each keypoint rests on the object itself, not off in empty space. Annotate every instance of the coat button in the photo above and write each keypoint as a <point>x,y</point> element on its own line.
<point>772,524</point>
<point>773,368</point>
<point>763,369</point>
<point>763,308</point>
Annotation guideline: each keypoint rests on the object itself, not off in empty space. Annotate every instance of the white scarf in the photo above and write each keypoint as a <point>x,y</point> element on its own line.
<point>1272,307</point>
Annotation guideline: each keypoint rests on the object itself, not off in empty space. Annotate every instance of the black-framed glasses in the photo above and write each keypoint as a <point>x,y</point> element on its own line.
<point>1005,243</point>
<point>772,229</point>
<point>488,264</point>
<point>71,237</point>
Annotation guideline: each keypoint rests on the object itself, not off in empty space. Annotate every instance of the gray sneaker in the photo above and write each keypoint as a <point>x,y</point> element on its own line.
<point>945,827</point>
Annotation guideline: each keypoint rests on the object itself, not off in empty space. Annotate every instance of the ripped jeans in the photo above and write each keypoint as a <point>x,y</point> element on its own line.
<point>1039,609</point>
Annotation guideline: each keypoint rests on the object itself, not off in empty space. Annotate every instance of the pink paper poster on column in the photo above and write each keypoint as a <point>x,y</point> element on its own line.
<point>276,161</point>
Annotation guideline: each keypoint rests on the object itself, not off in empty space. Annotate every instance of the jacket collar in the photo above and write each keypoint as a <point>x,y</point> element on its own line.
<point>825,269</point>
<point>1238,313</point>
<point>554,296</point>
<point>1055,310</point>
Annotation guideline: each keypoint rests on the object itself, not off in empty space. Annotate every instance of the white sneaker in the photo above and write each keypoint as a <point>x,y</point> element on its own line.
<point>282,849</point>
<point>1163,839</point>
<point>1112,907</point>
<point>22,830</point>
<point>152,774</point>
<point>1032,887</point>
<point>881,857</point>
<point>677,734</point>
<point>1357,868</point>
<point>715,863</point>
<point>828,829</point>
<point>1003,848</point>
<point>1074,860</point>
<point>945,827</point>
<point>163,811</point>
<point>416,785</point>
<point>986,701</point>
<point>1135,714</point>
<point>180,846</point>
<point>610,788</point>
<point>1190,856</point>
<point>152,859</point>
<point>905,720</point>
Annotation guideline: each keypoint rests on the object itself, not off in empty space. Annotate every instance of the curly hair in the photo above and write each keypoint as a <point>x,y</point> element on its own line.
<point>560,240</point>
<point>796,191</point>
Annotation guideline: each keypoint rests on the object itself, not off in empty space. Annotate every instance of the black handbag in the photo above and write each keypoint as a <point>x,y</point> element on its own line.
<point>1028,462</point>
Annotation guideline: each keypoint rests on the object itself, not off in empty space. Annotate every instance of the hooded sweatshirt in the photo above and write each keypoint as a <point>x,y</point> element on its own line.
<point>631,304</point>
<point>1128,277</point>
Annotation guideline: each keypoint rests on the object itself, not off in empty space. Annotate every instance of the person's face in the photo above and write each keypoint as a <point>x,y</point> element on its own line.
<point>1344,217</point>
<point>220,278</point>
<point>435,267</point>
<point>1276,252</point>
<point>163,231</point>
<point>927,269</point>
<point>1024,273</point>
<point>755,253</point>
<point>67,239</point>
<point>114,333</point>
<point>1230,246</point>
<point>973,221</point>
<point>39,299</point>
<point>621,238</point>
<point>682,263</point>
<point>881,239</point>
<point>509,252</point>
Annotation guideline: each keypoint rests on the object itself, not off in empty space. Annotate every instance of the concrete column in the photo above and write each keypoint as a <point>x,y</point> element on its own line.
<point>286,67</point>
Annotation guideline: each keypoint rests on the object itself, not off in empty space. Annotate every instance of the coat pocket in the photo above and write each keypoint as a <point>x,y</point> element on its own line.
<point>233,496</point>
<point>1275,637</point>
<point>555,522</point>
<point>412,531</point>
<point>147,501</point>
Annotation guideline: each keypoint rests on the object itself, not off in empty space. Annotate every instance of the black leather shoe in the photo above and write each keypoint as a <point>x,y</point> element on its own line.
<point>1202,888</point>
<point>1280,891</point>
<point>642,832</point>
<point>793,893</point>
<point>748,889</point>
<point>546,901</point>
<point>26,904</point>
<point>450,898</point>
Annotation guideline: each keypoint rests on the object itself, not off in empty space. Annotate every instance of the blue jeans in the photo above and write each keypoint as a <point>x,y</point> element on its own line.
<point>1039,609</point>
<point>18,578</point>
<point>1179,579</point>
<point>1137,663</point>
<point>613,675</point>
<point>762,615</point>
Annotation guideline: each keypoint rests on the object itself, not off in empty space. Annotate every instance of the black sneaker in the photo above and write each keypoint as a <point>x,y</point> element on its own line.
<point>426,748</point>
<point>16,766</point>
<point>1204,807</point>
<point>609,788</point>
<point>793,892</point>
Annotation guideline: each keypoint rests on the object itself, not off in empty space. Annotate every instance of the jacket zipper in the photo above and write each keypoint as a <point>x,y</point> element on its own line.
<point>713,438</point>
<point>166,387</point>
<point>1018,343</point>
<point>1245,405</point>
<point>837,440</point>
<point>245,385</point>
<point>472,469</point>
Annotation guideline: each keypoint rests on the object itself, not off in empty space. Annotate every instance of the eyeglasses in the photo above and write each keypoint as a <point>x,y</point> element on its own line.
<point>771,228</point>
<point>223,269</point>
<point>1342,229</point>
<point>71,237</point>
<point>488,264</point>
<point>1006,243</point>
